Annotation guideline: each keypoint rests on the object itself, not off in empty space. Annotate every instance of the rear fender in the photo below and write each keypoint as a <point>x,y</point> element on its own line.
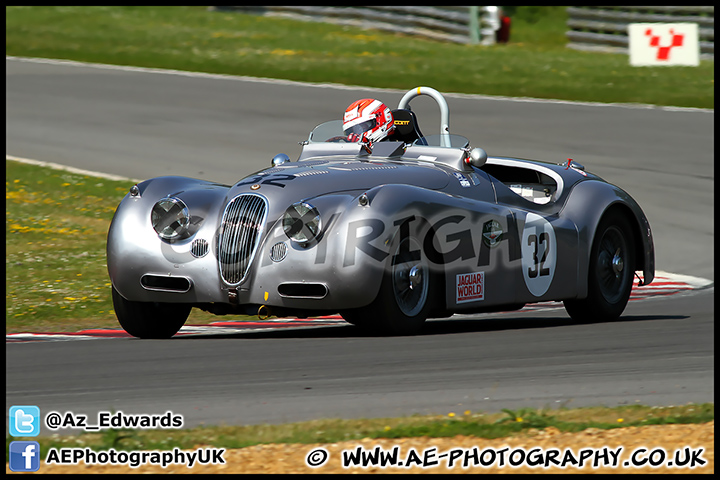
<point>587,204</point>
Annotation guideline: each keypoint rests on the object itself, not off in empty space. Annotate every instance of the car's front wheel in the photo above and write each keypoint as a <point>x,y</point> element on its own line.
<point>149,319</point>
<point>611,270</point>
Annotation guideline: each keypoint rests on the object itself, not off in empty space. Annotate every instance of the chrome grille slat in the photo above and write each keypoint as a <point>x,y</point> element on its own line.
<point>199,248</point>
<point>239,238</point>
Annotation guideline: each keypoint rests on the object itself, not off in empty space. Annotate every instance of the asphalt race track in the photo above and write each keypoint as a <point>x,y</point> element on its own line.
<point>141,124</point>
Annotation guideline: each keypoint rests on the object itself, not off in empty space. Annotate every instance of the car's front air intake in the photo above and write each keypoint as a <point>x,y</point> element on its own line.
<point>242,225</point>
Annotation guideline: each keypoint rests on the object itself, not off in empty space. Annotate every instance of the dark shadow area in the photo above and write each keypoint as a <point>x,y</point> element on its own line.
<point>432,327</point>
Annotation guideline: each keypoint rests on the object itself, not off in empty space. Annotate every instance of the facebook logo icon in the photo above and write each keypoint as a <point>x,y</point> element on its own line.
<point>24,421</point>
<point>24,456</point>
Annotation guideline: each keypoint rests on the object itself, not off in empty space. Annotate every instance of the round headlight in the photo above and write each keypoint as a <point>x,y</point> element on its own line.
<point>301,222</point>
<point>170,218</point>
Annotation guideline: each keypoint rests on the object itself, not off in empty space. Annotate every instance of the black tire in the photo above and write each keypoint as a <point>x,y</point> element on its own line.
<point>149,319</point>
<point>355,317</point>
<point>610,273</point>
<point>405,297</point>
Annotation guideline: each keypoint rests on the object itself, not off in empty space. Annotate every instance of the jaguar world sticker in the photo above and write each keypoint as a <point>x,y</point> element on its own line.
<point>470,287</point>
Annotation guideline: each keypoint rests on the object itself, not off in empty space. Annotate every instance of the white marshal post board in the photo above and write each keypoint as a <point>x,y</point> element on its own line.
<point>673,44</point>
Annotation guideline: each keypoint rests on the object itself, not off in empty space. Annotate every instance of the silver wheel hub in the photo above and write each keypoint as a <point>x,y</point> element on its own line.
<point>410,279</point>
<point>617,263</point>
<point>415,277</point>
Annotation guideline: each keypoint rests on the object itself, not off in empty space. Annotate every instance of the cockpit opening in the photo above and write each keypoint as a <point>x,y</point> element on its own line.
<point>532,185</point>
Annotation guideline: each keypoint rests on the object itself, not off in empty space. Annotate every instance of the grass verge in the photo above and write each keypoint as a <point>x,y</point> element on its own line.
<point>535,63</point>
<point>500,425</point>
<point>56,225</point>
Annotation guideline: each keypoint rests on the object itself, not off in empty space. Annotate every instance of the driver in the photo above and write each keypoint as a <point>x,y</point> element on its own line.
<point>367,120</point>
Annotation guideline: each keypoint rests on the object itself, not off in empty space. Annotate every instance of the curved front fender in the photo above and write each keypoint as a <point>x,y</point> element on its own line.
<point>134,248</point>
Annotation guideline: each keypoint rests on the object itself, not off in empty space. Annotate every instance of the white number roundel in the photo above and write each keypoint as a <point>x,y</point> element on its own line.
<point>539,254</point>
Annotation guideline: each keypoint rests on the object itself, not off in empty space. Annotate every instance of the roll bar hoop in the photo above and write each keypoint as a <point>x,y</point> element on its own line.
<point>444,111</point>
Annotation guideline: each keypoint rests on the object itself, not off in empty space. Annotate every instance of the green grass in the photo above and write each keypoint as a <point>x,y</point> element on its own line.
<point>468,423</point>
<point>535,63</point>
<point>55,231</point>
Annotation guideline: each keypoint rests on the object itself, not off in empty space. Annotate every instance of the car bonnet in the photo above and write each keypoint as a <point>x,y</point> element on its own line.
<point>310,178</point>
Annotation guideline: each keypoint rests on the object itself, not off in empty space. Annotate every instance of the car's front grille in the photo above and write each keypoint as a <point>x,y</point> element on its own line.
<point>242,225</point>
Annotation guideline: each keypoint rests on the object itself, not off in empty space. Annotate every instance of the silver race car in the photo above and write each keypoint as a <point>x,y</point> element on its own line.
<point>379,223</point>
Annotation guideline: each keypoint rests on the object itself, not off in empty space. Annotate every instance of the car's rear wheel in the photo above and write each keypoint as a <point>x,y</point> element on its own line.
<point>403,302</point>
<point>149,319</point>
<point>611,270</point>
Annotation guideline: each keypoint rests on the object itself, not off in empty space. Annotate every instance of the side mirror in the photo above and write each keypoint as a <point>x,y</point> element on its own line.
<point>477,157</point>
<point>279,159</point>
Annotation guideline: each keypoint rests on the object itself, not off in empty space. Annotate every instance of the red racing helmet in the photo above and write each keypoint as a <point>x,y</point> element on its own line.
<point>367,120</point>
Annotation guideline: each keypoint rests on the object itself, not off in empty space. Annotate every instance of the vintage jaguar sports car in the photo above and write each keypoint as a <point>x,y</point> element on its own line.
<point>387,234</point>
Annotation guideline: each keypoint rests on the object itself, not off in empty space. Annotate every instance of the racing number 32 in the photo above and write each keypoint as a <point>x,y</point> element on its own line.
<point>539,254</point>
<point>539,266</point>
